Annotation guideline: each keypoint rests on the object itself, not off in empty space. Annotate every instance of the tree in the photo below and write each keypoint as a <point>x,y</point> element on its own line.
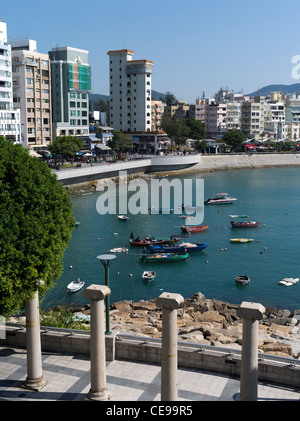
<point>35,226</point>
<point>200,145</point>
<point>234,137</point>
<point>176,130</point>
<point>120,142</point>
<point>169,99</point>
<point>65,146</point>
<point>196,128</point>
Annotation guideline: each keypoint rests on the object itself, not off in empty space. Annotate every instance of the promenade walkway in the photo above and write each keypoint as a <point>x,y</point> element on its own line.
<point>68,379</point>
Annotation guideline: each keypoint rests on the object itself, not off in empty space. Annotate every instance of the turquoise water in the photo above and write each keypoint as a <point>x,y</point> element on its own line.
<point>271,196</point>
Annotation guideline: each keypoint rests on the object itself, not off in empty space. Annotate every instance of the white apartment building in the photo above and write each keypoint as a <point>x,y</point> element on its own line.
<point>215,118</point>
<point>254,115</point>
<point>157,110</point>
<point>130,92</point>
<point>32,93</point>
<point>9,118</point>
<point>233,115</point>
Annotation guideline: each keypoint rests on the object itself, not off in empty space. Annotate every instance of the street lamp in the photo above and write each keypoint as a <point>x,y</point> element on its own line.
<point>106,260</point>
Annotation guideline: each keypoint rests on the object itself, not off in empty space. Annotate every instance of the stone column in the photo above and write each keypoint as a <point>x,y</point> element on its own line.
<point>35,379</point>
<point>169,303</point>
<point>98,390</point>
<point>250,313</point>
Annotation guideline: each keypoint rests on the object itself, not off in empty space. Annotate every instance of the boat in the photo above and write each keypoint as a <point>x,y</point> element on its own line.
<point>220,199</point>
<point>149,275</point>
<point>163,257</point>
<point>244,224</point>
<point>161,210</point>
<point>180,248</point>
<point>75,285</point>
<point>193,228</point>
<point>137,242</point>
<point>238,216</point>
<point>241,240</point>
<point>242,279</point>
<point>118,250</point>
<point>289,281</point>
<point>123,217</point>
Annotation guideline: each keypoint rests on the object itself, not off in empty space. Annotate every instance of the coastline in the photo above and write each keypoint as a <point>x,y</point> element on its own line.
<point>200,320</point>
<point>207,163</point>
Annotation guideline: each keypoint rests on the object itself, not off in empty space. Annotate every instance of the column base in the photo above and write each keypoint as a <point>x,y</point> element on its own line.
<point>34,384</point>
<point>103,395</point>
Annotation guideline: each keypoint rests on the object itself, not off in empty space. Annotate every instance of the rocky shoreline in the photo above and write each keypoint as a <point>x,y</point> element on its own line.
<point>204,321</point>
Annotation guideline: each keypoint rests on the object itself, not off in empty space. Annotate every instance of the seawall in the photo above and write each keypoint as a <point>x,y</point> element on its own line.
<point>177,164</point>
<point>242,161</point>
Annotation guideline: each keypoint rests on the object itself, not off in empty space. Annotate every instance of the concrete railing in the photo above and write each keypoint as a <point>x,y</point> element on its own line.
<point>271,368</point>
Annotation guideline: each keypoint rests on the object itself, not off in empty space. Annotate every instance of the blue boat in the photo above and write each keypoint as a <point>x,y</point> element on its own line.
<point>180,248</point>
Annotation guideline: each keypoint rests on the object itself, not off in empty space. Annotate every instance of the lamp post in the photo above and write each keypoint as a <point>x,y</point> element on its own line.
<point>106,260</point>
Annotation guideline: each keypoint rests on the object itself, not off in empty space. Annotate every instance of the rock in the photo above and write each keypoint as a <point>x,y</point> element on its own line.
<point>207,305</point>
<point>277,348</point>
<point>195,300</point>
<point>209,316</point>
<point>283,313</point>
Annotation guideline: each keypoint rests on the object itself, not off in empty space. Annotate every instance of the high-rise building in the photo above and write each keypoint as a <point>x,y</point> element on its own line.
<point>71,83</point>
<point>32,93</point>
<point>130,92</point>
<point>9,118</point>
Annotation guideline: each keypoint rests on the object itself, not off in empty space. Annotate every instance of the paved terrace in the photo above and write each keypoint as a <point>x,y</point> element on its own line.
<point>68,377</point>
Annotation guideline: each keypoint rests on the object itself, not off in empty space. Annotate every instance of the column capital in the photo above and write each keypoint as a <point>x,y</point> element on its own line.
<point>169,300</point>
<point>96,292</point>
<point>251,311</point>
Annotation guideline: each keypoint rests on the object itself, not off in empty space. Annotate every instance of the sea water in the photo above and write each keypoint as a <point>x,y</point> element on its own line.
<point>270,196</point>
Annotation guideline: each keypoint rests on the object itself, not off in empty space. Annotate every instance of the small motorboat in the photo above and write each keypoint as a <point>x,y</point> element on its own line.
<point>288,281</point>
<point>77,224</point>
<point>241,240</point>
<point>75,285</point>
<point>137,242</point>
<point>180,248</point>
<point>149,275</point>
<point>123,217</point>
<point>163,257</point>
<point>244,224</point>
<point>118,250</point>
<point>220,199</point>
<point>193,228</point>
<point>242,279</point>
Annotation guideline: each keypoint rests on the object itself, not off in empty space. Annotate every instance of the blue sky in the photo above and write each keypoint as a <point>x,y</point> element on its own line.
<point>196,45</point>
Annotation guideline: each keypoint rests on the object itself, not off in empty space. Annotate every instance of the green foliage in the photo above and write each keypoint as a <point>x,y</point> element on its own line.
<point>176,130</point>
<point>61,319</point>
<point>200,145</point>
<point>196,128</point>
<point>169,99</point>
<point>120,142</point>
<point>234,137</point>
<point>35,226</point>
<point>65,146</point>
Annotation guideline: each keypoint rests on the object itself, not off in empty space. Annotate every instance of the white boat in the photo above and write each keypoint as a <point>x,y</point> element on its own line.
<point>288,281</point>
<point>149,275</point>
<point>220,199</point>
<point>75,285</point>
<point>118,250</point>
<point>123,217</point>
<point>241,240</point>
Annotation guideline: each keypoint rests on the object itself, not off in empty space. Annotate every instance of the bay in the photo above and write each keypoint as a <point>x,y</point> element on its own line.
<point>270,196</point>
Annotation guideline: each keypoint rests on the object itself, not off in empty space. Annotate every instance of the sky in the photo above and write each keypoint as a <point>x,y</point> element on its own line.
<point>196,46</point>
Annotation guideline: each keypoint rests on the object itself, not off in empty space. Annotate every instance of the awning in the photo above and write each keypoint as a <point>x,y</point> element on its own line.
<point>103,147</point>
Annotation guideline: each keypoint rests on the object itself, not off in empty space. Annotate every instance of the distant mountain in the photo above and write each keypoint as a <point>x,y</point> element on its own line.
<point>286,89</point>
<point>156,96</point>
